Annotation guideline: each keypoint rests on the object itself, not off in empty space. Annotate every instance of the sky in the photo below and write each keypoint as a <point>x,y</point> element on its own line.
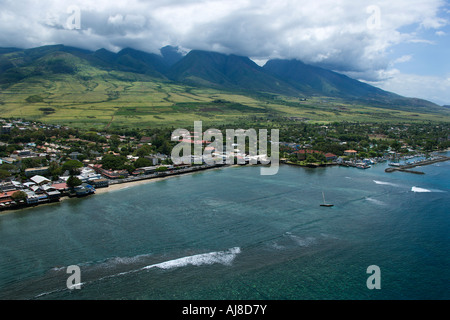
<point>402,46</point>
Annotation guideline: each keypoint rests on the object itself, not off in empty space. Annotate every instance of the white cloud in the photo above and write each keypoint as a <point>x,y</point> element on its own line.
<point>346,36</point>
<point>402,59</point>
<point>431,88</point>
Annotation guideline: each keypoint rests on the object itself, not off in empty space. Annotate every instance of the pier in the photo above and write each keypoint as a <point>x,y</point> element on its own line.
<point>407,167</point>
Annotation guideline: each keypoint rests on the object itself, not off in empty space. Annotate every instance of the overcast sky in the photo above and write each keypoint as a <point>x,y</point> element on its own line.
<point>399,45</point>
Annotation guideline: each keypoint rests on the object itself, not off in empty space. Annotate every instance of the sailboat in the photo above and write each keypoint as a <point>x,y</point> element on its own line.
<point>324,203</point>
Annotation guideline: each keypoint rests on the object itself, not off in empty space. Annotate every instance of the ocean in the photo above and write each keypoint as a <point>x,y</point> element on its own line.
<point>233,234</point>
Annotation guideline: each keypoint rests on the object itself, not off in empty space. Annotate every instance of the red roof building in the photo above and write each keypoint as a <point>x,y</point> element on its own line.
<point>330,156</point>
<point>60,186</point>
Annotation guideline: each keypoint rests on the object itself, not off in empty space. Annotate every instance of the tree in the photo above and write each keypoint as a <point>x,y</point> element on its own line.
<point>4,174</point>
<point>19,196</point>
<point>72,166</point>
<point>73,182</point>
<point>310,158</point>
<point>165,148</point>
<point>113,162</point>
<point>54,170</point>
<point>143,151</point>
<point>396,146</point>
<point>143,162</point>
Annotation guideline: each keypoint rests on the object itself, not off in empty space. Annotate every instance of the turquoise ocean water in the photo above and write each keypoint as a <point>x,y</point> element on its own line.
<point>231,233</point>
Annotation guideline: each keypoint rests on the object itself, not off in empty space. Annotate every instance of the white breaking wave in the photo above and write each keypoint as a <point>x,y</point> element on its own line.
<point>386,183</point>
<point>417,189</point>
<point>221,257</point>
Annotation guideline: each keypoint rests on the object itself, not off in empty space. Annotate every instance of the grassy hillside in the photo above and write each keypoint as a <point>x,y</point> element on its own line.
<point>71,86</point>
<point>100,98</point>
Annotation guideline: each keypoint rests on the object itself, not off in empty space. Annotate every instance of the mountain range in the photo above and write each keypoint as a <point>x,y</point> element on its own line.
<point>202,68</point>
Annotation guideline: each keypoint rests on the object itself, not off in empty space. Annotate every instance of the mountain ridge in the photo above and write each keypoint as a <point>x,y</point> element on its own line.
<point>204,68</point>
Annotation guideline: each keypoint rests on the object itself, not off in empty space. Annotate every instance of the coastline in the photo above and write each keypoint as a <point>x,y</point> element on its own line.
<point>129,184</point>
<point>120,185</point>
<point>114,187</point>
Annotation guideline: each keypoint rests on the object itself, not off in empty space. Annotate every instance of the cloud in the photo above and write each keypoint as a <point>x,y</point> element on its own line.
<point>402,59</point>
<point>431,88</point>
<point>346,36</point>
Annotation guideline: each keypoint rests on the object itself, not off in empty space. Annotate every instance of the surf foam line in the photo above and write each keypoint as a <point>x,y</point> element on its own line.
<point>221,257</point>
<point>386,183</point>
<point>218,257</point>
<point>418,189</point>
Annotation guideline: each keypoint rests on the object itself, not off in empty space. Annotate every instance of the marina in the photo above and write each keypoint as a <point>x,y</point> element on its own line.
<point>405,168</point>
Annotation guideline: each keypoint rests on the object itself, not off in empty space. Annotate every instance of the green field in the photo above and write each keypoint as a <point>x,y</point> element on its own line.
<point>101,99</point>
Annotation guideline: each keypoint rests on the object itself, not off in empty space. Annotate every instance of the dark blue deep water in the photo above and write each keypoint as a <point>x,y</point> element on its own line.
<point>231,233</point>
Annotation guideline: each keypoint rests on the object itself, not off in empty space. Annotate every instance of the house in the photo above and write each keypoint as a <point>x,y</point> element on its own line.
<point>84,190</point>
<point>330,156</point>
<point>51,192</point>
<point>146,140</point>
<point>6,129</point>
<point>22,153</point>
<point>117,174</point>
<point>154,159</point>
<point>61,187</point>
<point>6,199</point>
<point>10,160</point>
<point>88,174</point>
<point>40,180</point>
<point>100,183</point>
<point>29,184</point>
<point>74,155</point>
<point>32,198</point>
<point>147,170</point>
<point>18,185</point>
<point>7,186</point>
<point>350,153</point>
<point>36,171</point>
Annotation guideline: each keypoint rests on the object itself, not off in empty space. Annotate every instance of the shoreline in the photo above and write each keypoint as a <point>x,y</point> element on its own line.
<point>114,187</point>
<point>128,184</point>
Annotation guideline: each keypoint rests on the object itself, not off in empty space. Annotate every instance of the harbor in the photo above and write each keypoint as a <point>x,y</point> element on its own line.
<point>406,167</point>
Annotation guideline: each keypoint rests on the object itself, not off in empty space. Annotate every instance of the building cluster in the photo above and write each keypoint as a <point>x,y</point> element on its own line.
<point>38,189</point>
<point>37,184</point>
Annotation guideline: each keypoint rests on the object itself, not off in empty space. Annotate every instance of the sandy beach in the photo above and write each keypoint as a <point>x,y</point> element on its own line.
<point>125,185</point>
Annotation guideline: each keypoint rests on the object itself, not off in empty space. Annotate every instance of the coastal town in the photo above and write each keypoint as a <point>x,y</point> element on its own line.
<point>41,163</point>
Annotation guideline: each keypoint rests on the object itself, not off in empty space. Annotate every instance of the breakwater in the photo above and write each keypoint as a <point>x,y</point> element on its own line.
<point>407,167</point>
